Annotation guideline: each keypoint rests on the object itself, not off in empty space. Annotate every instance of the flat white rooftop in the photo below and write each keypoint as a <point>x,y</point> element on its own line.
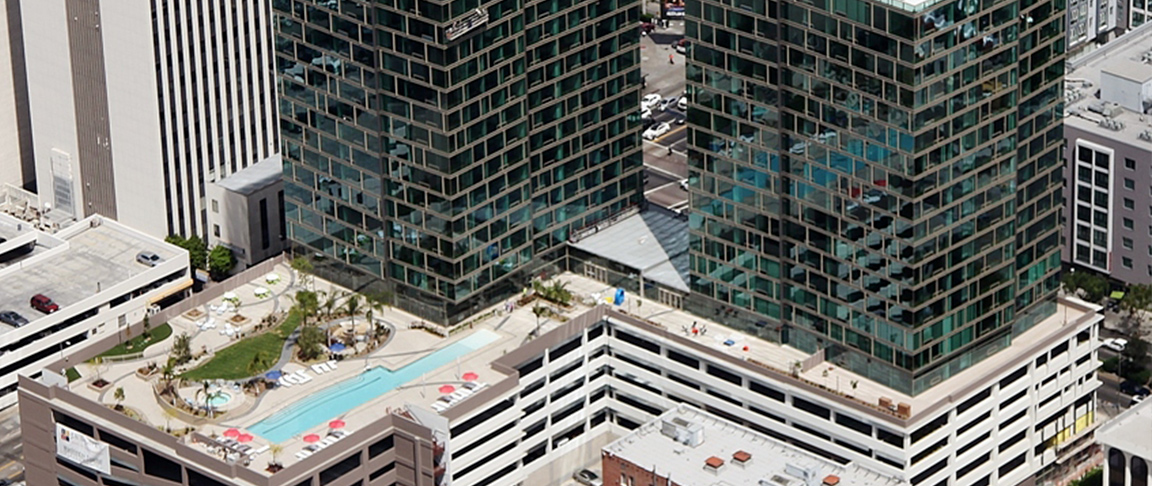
<point>1121,57</point>
<point>1130,431</point>
<point>766,460</point>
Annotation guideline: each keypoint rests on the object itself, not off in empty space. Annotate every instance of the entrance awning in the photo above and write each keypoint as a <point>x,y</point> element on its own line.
<point>1117,295</point>
<point>180,287</point>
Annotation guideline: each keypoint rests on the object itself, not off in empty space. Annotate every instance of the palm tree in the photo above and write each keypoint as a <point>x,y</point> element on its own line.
<point>352,306</point>
<point>275,466</point>
<point>167,374</point>
<point>307,304</point>
<point>212,408</point>
<point>539,311</point>
<point>331,300</point>
<point>203,391</point>
<point>303,267</point>
<point>119,396</point>
<point>169,414</point>
<point>182,348</point>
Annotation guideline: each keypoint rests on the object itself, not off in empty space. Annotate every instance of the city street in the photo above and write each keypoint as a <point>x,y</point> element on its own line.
<point>665,170</point>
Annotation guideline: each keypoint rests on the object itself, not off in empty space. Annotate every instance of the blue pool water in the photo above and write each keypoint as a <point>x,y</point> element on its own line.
<point>321,406</point>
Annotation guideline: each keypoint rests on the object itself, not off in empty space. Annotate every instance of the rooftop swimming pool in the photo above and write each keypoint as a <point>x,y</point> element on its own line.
<point>323,405</point>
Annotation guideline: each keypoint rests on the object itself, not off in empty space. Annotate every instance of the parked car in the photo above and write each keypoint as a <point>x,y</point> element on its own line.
<point>650,101</point>
<point>148,258</point>
<point>646,114</point>
<point>656,131</point>
<point>1136,400</point>
<point>43,304</point>
<point>683,103</point>
<point>667,103</point>
<point>1130,387</point>
<point>684,184</point>
<point>1116,344</point>
<point>682,46</point>
<point>647,28</point>
<point>12,318</point>
<point>680,121</point>
<point>587,478</point>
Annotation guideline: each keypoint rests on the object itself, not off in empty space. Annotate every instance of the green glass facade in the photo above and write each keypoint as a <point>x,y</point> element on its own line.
<point>443,150</point>
<point>878,180</point>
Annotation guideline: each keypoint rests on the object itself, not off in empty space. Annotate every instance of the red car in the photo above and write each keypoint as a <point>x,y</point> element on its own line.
<point>43,304</point>
<point>646,28</point>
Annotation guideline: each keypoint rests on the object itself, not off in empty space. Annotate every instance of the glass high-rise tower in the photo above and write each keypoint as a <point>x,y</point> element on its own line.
<point>443,150</point>
<point>877,180</point>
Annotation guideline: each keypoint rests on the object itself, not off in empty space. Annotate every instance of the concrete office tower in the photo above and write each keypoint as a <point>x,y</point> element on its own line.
<point>1108,205</point>
<point>135,106</point>
<point>877,183</point>
<point>445,151</point>
<point>16,165</point>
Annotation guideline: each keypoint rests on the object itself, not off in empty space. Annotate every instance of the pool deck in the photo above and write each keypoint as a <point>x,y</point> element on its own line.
<point>407,345</point>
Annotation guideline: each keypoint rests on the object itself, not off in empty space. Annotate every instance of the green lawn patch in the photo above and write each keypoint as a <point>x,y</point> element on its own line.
<point>141,342</point>
<point>72,374</point>
<point>233,362</point>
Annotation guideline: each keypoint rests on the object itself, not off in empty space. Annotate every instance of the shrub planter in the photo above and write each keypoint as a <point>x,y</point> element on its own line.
<point>99,384</point>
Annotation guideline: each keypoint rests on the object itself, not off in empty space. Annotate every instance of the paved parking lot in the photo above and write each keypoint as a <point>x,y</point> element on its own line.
<point>665,169</point>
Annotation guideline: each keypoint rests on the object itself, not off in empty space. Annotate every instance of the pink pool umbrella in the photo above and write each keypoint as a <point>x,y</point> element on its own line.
<point>447,388</point>
<point>336,424</point>
<point>470,376</point>
<point>310,438</point>
<point>242,438</point>
<point>231,433</point>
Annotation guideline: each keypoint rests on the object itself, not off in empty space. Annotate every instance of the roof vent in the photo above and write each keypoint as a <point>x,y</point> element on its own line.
<point>831,480</point>
<point>1146,135</point>
<point>713,464</point>
<point>741,458</point>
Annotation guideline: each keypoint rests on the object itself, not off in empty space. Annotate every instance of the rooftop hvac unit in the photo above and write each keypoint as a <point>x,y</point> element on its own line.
<point>1146,135</point>
<point>683,431</point>
<point>1111,124</point>
<point>1106,108</point>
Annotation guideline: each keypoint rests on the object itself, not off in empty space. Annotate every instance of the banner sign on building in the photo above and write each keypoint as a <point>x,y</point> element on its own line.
<point>82,450</point>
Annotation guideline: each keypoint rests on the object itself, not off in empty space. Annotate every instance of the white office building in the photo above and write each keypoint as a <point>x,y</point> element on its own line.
<point>90,271</point>
<point>135,106</point>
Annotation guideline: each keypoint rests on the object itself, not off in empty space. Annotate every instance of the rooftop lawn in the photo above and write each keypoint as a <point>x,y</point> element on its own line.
<point>138,344</point>
<point>232,362</point>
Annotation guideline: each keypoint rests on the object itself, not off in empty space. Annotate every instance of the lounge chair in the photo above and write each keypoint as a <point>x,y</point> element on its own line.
<point>302,455</point>
<point>312,447</point>
<point>317,369</point>
<point>302,377</point>
<point>332,365</point>
<point>259,451</point>
<point>340,433</point>
<point>244,448</point>
<point>471,385</point>
<point>327,441</point>
<point>439,406</point>
<point>284,381</point>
